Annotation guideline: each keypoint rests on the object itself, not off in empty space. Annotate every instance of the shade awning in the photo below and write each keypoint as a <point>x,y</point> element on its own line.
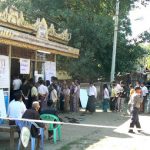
<point>24,40</point>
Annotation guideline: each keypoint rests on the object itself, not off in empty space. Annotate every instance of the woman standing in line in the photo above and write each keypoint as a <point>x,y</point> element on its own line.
<point>66,93</point>
<point>76,96</point>
<point>106,98</point>
<point>72,88</point>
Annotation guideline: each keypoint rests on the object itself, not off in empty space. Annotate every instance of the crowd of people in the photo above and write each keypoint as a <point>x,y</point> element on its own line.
<point>115,97</point>
<point>65,97</point>
<point>136,98</point>
<point>30,99</point>
<point>61,96</point>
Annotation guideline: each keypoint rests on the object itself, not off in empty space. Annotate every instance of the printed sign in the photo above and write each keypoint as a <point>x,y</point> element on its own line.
<point>4,72</point>
<point>50,70</point>
<point>24,66</point>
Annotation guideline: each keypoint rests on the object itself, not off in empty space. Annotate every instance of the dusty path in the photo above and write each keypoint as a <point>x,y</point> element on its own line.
<point>87,138</point>
<point>91,138</point>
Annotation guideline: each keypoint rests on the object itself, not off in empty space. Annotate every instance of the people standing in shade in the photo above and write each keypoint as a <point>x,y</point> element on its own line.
<point>53,96</point>
<point>54,81</point>
<point>16,107</point>
<point>76,96</point>
<point>92,95</point>
<point>72,88</point>
<point>122,96</point>
<point>42,94</point>
<point>106,98</point>
<point>16,85</point>
<point>66,93</point>
<point>137,84</point>
<point>117,90</point>
<point>61,97</point>
<point>37,84</point>
<point>33,95</point>
<point>25,88</point>
<point>113,97</point>
<point>136,100</point>
<point>132,91</point>
<point>144,94</point>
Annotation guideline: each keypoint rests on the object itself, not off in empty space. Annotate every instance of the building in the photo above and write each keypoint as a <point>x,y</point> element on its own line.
<point>29,49</point>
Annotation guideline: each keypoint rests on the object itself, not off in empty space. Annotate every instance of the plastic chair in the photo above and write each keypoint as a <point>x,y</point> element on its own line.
<point>56,128</point>
<point>28,124</point>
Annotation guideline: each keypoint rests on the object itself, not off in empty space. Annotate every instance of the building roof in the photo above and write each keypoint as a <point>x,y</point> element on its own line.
<point>16,31</point>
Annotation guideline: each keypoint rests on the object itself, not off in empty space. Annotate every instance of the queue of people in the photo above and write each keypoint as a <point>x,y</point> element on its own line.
<point>119,94</point>
<point>31,99</point>
<point>61,96</point>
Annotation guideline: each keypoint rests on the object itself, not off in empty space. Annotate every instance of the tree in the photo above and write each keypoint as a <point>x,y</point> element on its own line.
<point>91,24</point>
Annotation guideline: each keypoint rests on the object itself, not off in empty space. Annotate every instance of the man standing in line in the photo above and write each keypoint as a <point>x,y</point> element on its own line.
<point>16,86</point>
<point>144,94</point>
<point>42,94</point>
<point>92,94</point>
<point>135,101</point>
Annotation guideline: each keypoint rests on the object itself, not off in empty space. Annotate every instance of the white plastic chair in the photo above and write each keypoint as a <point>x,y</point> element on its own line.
<point>28,124</point>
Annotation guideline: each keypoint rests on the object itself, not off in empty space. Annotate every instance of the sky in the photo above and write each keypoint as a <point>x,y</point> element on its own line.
<point>140,19</point>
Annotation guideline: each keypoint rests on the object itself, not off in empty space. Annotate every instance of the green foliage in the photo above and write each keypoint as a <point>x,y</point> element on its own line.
<point>145,37</point>
<point>91,24</point>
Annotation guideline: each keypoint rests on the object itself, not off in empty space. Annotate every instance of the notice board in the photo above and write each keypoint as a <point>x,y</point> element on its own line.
<point>4,72</point>
<point>50,70</point>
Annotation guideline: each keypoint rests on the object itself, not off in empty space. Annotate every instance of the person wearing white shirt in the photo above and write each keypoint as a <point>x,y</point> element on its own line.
<point>144,94</point>
<point>42,91</point>
<point>43,94</point>
<point>17,83</point>
<point>106,98</point>
<point>53,96</point>
<point>16,108</point>
<point>92,94</point>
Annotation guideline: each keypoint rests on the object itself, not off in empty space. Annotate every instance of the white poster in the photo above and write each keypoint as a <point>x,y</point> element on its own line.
<point>4,72</point>
<point>2,104</point>
<point>24,66</point>
<point>50,70</point>
<point>83,98</point>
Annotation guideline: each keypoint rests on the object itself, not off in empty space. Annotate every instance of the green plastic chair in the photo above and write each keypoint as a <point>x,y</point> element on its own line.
<point>55,128</point>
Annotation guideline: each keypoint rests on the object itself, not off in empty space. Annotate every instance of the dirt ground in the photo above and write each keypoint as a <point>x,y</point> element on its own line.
<point>113,136</point>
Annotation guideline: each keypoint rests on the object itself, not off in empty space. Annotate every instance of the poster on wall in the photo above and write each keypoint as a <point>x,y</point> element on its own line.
<point>50,70</point>
<point>83,98</point>
<point>4,72</point>
<point>24,66</point>
<point>2,104</point>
